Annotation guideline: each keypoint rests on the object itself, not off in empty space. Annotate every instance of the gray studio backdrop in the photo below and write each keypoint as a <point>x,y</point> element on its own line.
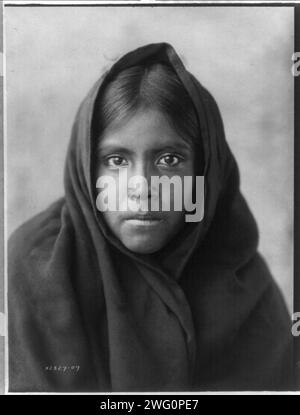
<point>241,54</point>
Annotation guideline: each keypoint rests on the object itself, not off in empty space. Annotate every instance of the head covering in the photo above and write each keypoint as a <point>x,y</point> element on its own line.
<point>86,314</point>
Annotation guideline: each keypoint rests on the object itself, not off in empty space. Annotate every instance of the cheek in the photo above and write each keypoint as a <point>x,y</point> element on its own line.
<point>183,189</point>
<point>100,171</point>
<point>175,221</point>
<point>111,219</point>
<point>113,222</point>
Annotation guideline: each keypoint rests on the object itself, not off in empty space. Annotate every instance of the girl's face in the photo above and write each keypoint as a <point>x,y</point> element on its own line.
<point>145,145</point>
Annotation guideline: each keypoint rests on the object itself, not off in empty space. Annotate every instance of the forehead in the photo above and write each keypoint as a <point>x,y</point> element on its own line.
<point>146,130</point>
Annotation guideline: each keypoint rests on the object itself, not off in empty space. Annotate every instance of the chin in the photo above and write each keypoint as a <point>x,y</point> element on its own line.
<point>143,246</point>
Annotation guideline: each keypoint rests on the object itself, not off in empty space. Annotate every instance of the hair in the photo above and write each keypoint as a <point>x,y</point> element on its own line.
<point>155,86</point>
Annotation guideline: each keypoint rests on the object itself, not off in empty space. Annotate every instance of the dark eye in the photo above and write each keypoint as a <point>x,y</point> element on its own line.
<point>116,161</point>
<point>169,160</point>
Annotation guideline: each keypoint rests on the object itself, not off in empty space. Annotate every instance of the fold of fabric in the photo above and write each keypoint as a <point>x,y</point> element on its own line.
<point>86,314</point>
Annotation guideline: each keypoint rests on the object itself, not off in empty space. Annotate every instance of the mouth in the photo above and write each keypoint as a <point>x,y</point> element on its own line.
<point>143,220</point>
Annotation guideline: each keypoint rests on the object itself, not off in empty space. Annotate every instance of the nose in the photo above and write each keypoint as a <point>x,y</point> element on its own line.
<point>139,181</point>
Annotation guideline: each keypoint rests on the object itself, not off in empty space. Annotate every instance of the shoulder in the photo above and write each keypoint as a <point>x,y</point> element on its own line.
<point>257,277</point>
<point>265,336</point>
<point>37,275</point>
<point>38,232</point>
<point>30,247</point>
<point>256,280</point>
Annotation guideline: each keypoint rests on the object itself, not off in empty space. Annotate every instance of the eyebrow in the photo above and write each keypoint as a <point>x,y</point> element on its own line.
<point>111,148</point>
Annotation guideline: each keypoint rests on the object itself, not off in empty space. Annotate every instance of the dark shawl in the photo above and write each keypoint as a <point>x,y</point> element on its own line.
<point>204,314</point>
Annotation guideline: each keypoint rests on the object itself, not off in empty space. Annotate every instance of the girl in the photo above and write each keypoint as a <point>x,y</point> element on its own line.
<point>135,300</point>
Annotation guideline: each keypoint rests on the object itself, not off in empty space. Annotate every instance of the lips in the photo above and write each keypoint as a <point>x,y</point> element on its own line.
<point>143,216</point>
<point>140,219</point>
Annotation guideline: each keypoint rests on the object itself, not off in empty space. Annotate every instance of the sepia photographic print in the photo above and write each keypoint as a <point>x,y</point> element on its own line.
<point>149,198</point>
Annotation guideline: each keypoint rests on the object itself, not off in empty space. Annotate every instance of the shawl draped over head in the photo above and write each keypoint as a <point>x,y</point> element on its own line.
<point>86,314</point>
